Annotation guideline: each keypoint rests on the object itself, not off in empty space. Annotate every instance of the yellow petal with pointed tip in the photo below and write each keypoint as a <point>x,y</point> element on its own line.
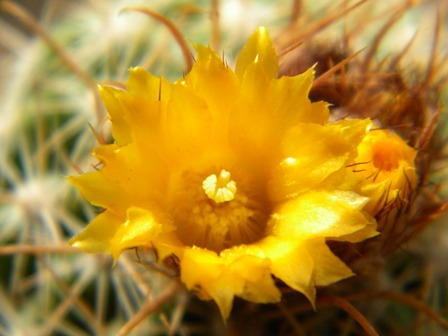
<point>147,86</point>
<point>120,128</point>
<point>292,263</point>
<point>97,236</point>
<point>218,86</point>
<point>99,190</point>
<point>258,52</point>
<point>329,268</point>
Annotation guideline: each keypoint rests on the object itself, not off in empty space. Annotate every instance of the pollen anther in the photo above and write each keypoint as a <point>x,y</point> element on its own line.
<point>220,188</point>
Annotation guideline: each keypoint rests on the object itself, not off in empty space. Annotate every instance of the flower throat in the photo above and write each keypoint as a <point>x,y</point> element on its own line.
<point>217,210</point>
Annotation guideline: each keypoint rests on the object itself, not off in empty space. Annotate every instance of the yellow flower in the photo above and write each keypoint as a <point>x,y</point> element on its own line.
<point>226,170</point>
<point>385,163</point>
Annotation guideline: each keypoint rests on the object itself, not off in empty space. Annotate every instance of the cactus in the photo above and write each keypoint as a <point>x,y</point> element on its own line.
<point>51,117</point>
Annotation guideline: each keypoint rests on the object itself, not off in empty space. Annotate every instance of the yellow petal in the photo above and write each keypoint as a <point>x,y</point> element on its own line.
<point>120,129</point>
<point>319,113</point>
<point>292,263</point>
<point>260,52</point>
<point>359,236</point>
<point>218,86</point>
<point>222,277</point>
<point>200,267</point>
<point>312,153</point>
<point>141,175</point>
<point>271,116</point>
<point>258,284</point>
<point>99,190</point>
<point>171,132</point>
<point>96,237</point>
<point>291,102</point>
<point>145,85</point>
<point>329,268</point>
<point>320,214</point>
<point>168,244</point>
<point>187,125</point>
<point>128,177</point>
<point>144,117</point>
<point>140,229</point>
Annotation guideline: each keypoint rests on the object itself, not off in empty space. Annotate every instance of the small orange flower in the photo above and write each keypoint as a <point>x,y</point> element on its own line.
<point>387,169</point>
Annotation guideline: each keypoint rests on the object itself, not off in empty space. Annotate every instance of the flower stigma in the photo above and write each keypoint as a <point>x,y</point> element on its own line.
<point>220,189</point>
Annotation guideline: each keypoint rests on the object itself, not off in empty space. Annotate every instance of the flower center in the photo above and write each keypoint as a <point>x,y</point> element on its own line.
<point>209,212</point>
<point>385,156</point>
